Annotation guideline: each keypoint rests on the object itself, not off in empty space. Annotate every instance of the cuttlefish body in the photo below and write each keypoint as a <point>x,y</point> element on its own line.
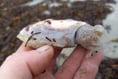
<point>62,33</point>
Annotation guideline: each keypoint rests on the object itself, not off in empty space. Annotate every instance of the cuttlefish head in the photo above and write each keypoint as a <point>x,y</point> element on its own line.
<point>90,36</point>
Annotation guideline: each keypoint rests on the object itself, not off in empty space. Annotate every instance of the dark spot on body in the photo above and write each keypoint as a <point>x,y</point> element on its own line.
<point>37,33</point>
<point>54,40</point>
<point>48,39</point>
<point>75,34</point>
<point>48,21</point>
<point>32,32</point>
<point>27,28</point>
<point>34,38</point>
